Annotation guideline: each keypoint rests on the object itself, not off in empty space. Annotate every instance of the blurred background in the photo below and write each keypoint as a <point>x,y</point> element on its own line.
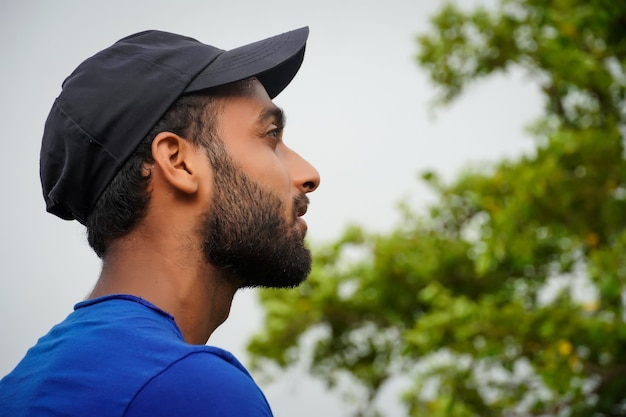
<point>359,110</point>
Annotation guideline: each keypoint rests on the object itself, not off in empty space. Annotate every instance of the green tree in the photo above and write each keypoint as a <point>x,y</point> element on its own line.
<point>478,302</point>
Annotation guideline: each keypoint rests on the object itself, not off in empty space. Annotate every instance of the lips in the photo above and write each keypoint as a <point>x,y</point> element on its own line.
<point>300,205</point>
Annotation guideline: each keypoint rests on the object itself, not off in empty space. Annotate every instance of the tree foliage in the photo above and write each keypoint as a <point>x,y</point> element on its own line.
<point>508,297</point>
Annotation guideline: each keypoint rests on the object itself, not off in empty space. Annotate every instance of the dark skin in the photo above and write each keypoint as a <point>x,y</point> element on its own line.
<point>166,265</point>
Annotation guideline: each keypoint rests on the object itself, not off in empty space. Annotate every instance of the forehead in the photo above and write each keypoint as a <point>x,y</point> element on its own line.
<point>248,100</point>
<point>238,88</point>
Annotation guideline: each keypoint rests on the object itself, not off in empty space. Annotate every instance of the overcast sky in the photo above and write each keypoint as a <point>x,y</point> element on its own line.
<point>358,110</point>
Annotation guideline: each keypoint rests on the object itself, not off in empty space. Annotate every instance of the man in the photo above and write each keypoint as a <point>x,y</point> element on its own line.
<point>170,152</point>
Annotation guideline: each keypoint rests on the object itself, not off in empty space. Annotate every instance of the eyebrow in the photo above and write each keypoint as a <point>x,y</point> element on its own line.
<point>275,113</point>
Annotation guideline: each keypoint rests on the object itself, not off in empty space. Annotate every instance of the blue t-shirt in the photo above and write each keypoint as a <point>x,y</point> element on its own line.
<point>120,356</point>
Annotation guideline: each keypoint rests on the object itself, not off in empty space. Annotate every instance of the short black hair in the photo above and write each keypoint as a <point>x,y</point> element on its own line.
<point>124,202</point>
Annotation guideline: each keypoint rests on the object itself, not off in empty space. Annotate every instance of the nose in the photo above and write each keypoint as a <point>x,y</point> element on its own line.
<point>304,175</point>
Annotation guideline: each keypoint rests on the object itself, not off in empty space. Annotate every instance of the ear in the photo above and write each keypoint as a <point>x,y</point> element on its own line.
<point>176,159</point>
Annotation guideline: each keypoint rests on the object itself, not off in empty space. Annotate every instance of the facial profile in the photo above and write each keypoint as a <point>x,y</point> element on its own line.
<point>245,233</point>
<point>252,229</point>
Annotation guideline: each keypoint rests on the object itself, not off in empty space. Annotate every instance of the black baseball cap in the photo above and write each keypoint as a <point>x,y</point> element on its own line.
<point>113,99</point>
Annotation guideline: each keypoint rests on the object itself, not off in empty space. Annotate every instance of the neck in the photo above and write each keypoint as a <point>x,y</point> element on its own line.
<point>176,280</point>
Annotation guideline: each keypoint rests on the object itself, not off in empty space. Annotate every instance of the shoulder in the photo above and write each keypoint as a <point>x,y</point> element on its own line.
<point>207,382</point>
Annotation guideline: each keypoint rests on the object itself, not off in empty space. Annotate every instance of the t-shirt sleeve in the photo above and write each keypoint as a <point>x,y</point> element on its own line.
<point>200,384</point>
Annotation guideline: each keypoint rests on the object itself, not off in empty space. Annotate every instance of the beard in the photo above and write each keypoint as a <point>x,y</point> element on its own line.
<point>245,233</point>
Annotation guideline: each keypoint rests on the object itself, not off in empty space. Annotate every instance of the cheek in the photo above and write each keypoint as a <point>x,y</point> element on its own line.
<point>274,176</point>
<point>269,169</point>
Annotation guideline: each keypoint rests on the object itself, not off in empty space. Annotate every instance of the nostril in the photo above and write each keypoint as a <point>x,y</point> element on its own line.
<point>309,185</point>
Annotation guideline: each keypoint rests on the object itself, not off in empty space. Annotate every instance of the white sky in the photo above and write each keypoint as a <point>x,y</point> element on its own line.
<point>357,110</point>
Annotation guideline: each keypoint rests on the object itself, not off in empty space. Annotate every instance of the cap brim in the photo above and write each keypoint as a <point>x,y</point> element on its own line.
<point>274,61</point>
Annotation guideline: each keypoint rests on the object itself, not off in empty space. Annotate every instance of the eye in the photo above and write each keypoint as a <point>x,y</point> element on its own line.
<point>275,133</point>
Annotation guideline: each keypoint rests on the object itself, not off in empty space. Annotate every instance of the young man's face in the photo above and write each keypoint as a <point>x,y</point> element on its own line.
<point>253,226</point>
